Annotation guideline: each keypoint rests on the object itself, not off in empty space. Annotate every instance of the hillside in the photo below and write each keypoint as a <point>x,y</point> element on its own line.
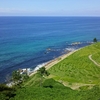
<point>76,77</point>
<point>78,70</point>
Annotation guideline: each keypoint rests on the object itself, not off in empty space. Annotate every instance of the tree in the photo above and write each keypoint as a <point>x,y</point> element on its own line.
<point>24,77</point>
<point>6,92</point>
<point>42,72</point>
<point>16,77</point>
<point>94,40</point>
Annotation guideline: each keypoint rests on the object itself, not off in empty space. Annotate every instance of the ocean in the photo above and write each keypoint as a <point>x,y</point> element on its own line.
<point>26,42</point>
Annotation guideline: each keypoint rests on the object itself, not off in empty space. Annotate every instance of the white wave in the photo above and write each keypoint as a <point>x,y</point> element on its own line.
<point>70,49</point>
<point>39,66</point>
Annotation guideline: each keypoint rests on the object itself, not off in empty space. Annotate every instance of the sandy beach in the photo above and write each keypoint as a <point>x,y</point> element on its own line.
<point>55,61</point>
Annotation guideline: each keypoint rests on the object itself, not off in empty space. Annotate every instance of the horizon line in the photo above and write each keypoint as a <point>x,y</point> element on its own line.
<point>47,16</point>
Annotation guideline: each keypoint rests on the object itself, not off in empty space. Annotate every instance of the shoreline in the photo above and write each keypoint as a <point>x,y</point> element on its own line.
<point>40,63</point>
<point>51,63</point>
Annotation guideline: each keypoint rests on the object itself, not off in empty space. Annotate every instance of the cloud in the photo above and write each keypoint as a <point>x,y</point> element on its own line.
<point>46,12</point>
<point>8,10</point>
<point>15,12</point>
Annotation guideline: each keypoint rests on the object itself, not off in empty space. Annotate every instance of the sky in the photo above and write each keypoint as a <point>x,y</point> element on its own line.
<point>49,7</point>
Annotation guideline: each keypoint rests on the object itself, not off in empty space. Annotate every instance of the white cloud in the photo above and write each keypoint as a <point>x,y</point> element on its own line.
<point>46,12</point>
<point>8,10</point>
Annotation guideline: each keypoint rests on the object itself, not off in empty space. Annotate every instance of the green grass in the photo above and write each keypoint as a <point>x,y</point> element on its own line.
<point>96,57</point>
<point>77,72</point>
<point>56,92</point>
<point>32,81</point>
<point>78,68</point>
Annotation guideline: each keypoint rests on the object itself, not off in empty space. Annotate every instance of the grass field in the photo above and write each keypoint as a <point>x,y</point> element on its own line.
<point>96,57</point>
<point>74,78</point>
<point>78,69</point>
<point>56,92</point>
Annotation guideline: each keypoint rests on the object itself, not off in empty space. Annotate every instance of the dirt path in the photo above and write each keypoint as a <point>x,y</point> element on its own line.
<point>76,86</point>
<point>90,57</point>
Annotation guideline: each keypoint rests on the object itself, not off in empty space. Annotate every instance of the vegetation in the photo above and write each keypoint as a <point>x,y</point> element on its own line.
<point>78,69</point>
<point>9,92</point>
<point>96,57</point>
<point>74,78</point>
<point>42,72</point>
<point>94,40</point>
<point>6,92</point>
<point>53,90</point>
<point>18,78</point>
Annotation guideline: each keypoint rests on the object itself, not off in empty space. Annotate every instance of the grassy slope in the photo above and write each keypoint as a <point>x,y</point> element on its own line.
<point>96,57</point>
<point>57,92</point>
<point>76,70</point>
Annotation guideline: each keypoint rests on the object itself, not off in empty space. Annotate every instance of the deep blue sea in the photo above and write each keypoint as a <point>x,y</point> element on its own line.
<point>25,41</point>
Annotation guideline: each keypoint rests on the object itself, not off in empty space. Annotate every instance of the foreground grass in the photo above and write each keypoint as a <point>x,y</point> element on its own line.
<point>52,90</point>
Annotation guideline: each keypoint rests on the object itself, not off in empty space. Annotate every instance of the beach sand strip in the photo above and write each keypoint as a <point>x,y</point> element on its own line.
<point>55,61</point>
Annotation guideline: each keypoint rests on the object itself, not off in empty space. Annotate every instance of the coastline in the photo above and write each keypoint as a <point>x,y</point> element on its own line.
<point>51,63</point>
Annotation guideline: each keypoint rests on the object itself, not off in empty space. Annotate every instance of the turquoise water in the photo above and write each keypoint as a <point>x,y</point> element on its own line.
<point>24,40</point>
